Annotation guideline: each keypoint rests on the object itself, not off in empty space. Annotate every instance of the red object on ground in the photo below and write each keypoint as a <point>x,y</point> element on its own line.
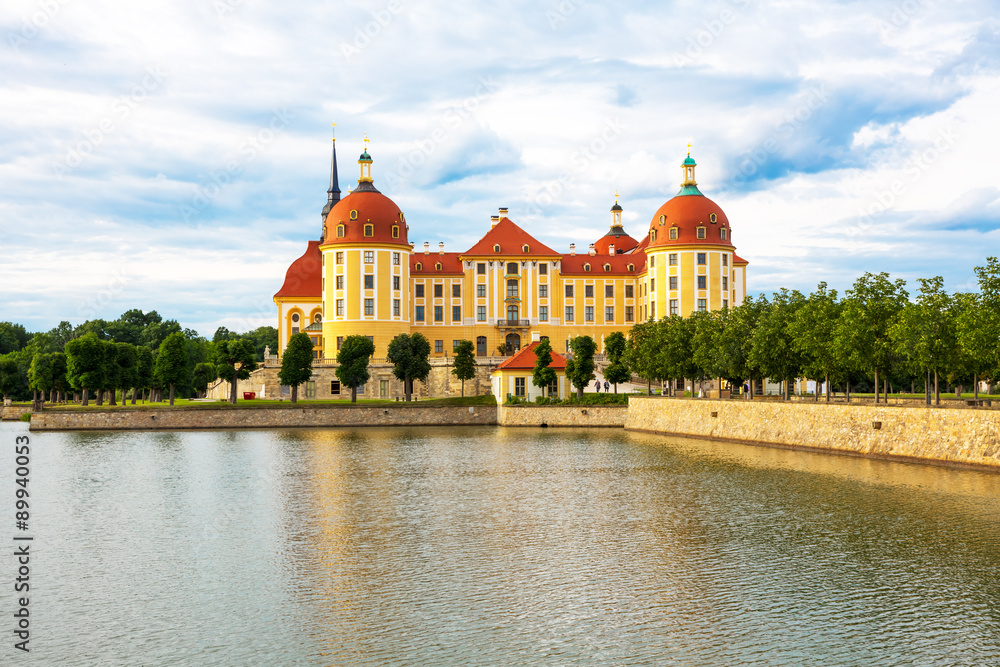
<point>249,395</point>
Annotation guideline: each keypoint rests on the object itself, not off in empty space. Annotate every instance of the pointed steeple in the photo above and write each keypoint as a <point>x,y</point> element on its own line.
<point>333,194</point>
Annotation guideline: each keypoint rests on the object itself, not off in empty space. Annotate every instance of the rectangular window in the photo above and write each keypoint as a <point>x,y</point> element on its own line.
<point>629,314</point>
<point>701,259</point>
<point>369,256</point>
<point>569,313</point>
<point>395,259</point>
<point>652,284</point>
<point>588,313</point>
<point>456,290</point>
<point>481,313</point>
<point>419,291</point>
<point>369,282</point>
<point>629,291</point>
<point>340,307</point>
<point>340,341</point>
<point>673,259</point>
<point>609,313</point>
<point>481,291</point>
<point>456,313</point>
<point>725,282</point>
<point>519,385</point>
<point>439,313</point>
<point>361,388</point>
<point>295,330</point>
<point>340,282</point>
<point>395,283</point>
<point>543,269</point>
<point>454,345</point>
<point>588,291</point>
<point>725,303</point>
<point>701,232</point>
<point>652,310</point>
<point>369,306</point>
<point>725,260</point>
<point>335,387</point>
<point>702,305</point>
<point>609,291</point>
<point>438,291</point>
<point>439,346</point>
<point>395,307</point>
<point>702,281</point>
<point>481,268</point>
<point>340,258</point>
<point>673,306</point>
<point>543,313</point>
<point>673,233</point>
<point>652,261</point>
<point>569,291</point>
<point>543,291</point>
<point>419,313</point>
<point>673,282</point>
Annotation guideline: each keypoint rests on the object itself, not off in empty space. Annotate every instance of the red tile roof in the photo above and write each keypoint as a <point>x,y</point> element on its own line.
<point>525,359</point>
<point>449,261</point>
<point>511,240</point>
<point>687,213</point>
<point>371,207</point>
<point>739,260</point>
<point>573,265</point>
<point>304,277</point>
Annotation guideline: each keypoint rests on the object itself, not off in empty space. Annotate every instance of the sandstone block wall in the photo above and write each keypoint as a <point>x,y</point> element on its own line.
<point>561,415</point>
<point>929,434</point>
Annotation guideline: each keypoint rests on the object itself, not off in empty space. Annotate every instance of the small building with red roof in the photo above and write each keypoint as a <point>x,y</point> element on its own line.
<point>513,377</point>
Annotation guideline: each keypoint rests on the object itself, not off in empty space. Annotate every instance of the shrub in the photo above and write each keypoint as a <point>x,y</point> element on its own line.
<point>26,416</point>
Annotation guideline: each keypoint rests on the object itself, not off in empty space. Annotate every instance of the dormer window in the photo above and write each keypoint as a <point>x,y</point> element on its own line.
<point>701,232</point>
<point>723,233</point>
<point>652,235</point>
<point>437,267</point>
<point>401,218</point>
<point>663,219</point>
<point>369,230</point>
<point>354,215</point>
<point>586,267</point>
<point>607,268</point>
<point>673,233</point>
<point>630,267</point>
<point>496,248</point>
<point>395,231</point>
<point>713,218</point>
<point>419,266</point>
<point>525,248</point>
<point>340,231</point>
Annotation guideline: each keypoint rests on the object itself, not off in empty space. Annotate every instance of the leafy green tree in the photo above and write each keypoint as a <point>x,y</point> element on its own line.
<point>409,356</point>
<point>61,335</point>
<point>296,363</point>
<point>543,375</point>
<point>353,357</point>
<point>977,329</point>
<point>863,331</point>
<point>812,330</point>
<point>86,364</point>
<point>616,347</point>
<point>580,369</point>
<point>234,361</point>
<point>144,370</point>
<point>641,353</point>
<point>736,340</point>
<point>924,332</point>
<point>772,346</point>
<point>675,348</point>
<point>707,330</point>
<point>13,337</point>
<point>126,360</point>
<point>465,362</point>
<point>172,362</point>
<point>59,382</point>
<point>263,337</point>
<point>157,330</point>
<point>202,374</point>
<point>40,376</point>
<point>10,376</point>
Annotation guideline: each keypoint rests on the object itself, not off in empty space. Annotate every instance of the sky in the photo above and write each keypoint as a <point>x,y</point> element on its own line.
<point>175,155</point>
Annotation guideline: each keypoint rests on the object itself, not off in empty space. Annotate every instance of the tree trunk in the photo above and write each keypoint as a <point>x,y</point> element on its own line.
<point>827,385</point>
<point>847,393</point>
<point>295,393</point>
<point>927,388</point>
<point>649,387</point>
<point>86,396</point>
<point>354,395</point>
<point>876,387</point>
<point>975,387</point>
<point>885,391</point>
<point>232,390</point>
<point>111,397</point>
<point>133,395</point>
<point>171,394</point>
<point>937,389</point>
<point>463,387</point>
<point>100,398</point>
<point>407,389</point>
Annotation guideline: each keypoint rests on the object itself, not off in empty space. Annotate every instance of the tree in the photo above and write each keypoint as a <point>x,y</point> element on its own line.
<point>465,362</point>
<point>85,364</point>
<point>924,332</point>
<point>203,374</point>
<point>771,347</point>
<point>234,361</point>
<point>640,354</point>
<point>811,330</point>
<point>40,376</point>
<point>617,372</point>
<point>144,370</point>
<point>706,353</point>
<point>172,362</point>
<point>674,340</point>
<point>353,357</point>
<point>13,337</point>
<point>409,356</point>
<point>736,340</point>
<point>126,359</point>
<point>977,329</point>
<point>10,376</point>
<point>296,363</point>
<point>543,375</point>
<point>863,330</point>
<point>580,369</point>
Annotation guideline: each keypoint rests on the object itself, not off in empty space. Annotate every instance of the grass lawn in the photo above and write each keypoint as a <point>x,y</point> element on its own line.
<point>258,403</point>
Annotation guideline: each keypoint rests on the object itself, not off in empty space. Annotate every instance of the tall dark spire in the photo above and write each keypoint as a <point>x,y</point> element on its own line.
<point>333,194</point>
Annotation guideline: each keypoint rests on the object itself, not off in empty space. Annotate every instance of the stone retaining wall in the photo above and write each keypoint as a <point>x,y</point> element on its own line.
<point>966,437</point>
<point>212,418</point>
<point>13,413</point>
<point>561,415</point>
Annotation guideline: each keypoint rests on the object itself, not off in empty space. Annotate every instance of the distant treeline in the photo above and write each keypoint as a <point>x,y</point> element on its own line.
<point>138,351</point>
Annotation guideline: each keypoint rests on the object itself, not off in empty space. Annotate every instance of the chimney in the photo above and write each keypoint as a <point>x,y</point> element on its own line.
<point>611,249</point>
<point>572,249</point>
<point>592,251</point>
<point>441,247</point>
<point>427,248</point>
<point>536,336</point>
<point>503,211</point>
<point>494,220</point>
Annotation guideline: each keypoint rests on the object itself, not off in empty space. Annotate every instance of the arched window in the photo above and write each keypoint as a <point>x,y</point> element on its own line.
<point>395,231</point>
<point>496,248</point>
<point>607,268</point>
<point>437,266</point>
<point>340,231</point>
<point>511,268</point>
<point>369,230</point>
<point>673,233</point>
<point>586,267</point>
<point>419,266</point>
<point>354,215</point>
<point>630,267</point>
<point>511,289</point>
<point>481,350</point>
<point>525,247</point>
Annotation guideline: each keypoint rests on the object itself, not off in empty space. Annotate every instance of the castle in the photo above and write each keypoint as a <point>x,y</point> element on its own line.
<point>364,277</point>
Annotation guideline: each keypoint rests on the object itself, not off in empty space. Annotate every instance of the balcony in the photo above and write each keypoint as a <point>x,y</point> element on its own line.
<point>513,324</point>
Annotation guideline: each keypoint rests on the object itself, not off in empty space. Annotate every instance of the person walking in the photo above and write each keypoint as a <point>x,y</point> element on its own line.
<point>746,391</point>
<point>607,387</point>
<point>597,386</point>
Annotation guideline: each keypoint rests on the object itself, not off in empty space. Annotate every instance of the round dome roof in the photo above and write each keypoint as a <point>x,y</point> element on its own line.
<point>687,213</point>
<point>615,237</point>
<point>365,206</point>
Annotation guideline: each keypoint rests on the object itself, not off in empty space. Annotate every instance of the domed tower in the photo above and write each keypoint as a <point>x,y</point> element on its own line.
<point>617,240</point>
<point>690,255</point>
<point>366,263</point>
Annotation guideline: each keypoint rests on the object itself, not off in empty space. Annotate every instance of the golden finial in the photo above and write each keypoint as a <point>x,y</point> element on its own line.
<point>366,141</point>
<point>616,195</point>
<point>690,145</point>
<point>335,132</point>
